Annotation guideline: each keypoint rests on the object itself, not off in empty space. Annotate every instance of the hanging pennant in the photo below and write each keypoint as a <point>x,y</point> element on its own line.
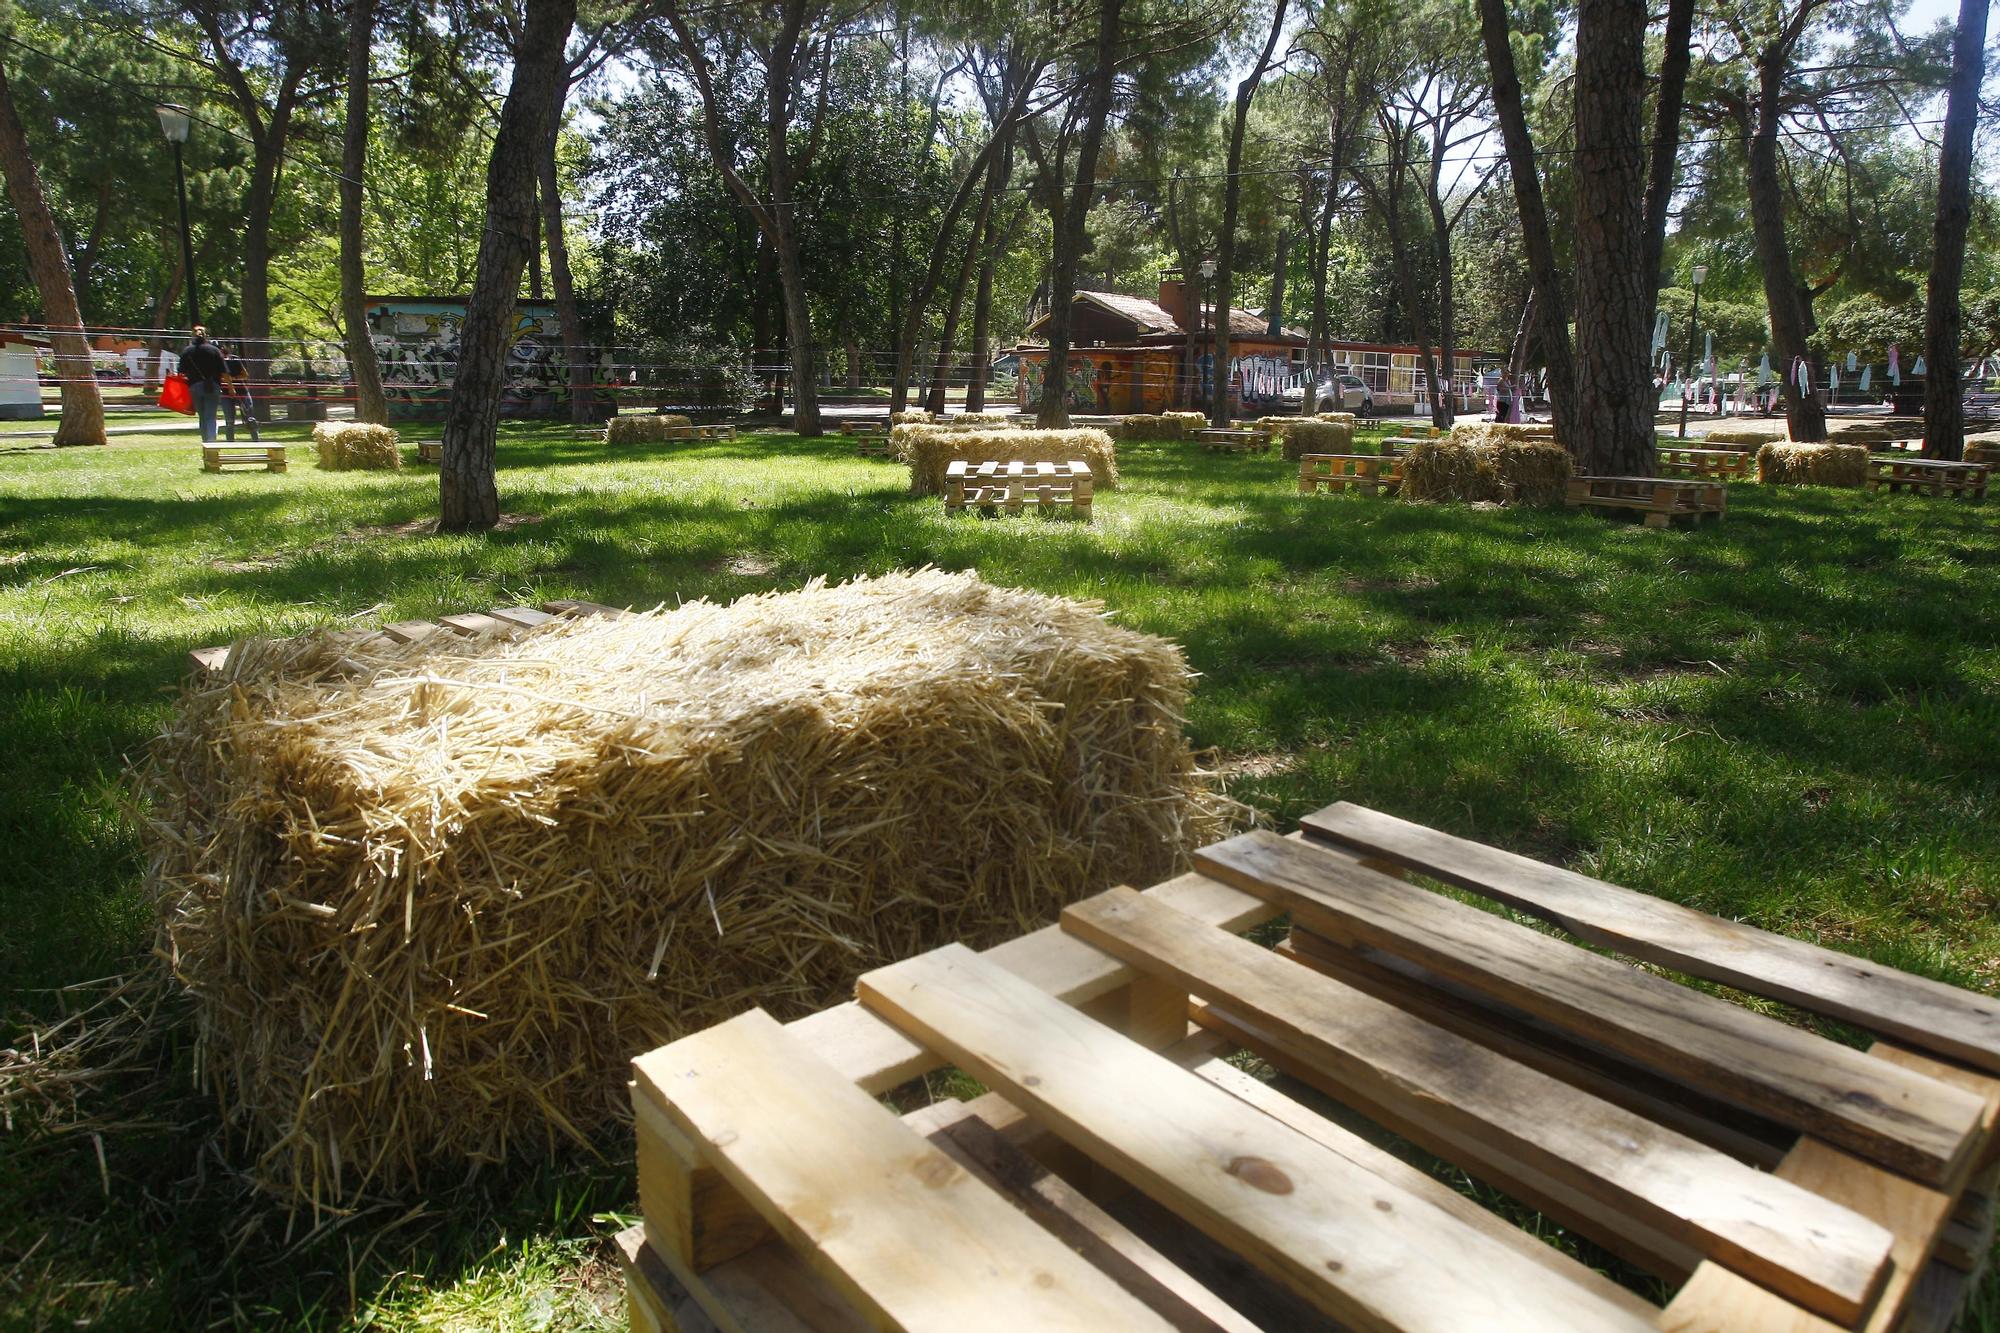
<point>1833,379</point>
<point>1764,375</point>
<point>1659,332</point>
<point>1851,359</point>
<point>1867,374</point>
<point>1895,366</point>
<point>1918,367</point>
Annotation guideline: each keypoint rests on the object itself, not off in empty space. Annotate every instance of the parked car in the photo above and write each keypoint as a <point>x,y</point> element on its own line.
<point>1344,393</point>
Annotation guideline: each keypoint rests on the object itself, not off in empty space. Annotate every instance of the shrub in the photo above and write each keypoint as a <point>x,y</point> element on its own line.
<point>1783,464</point>
<point>350,445</point>
<point>930,451</point>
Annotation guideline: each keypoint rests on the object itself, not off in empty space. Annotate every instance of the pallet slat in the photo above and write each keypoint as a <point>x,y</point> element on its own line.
<point>1818,1254</point>
<point>1925,1013</point>
<point>1341,1237</point>
<point>903,1232</point>
<point>1910,1123</point>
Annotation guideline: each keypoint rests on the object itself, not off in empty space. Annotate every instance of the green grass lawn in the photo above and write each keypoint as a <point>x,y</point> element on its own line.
<point>1789,718</point>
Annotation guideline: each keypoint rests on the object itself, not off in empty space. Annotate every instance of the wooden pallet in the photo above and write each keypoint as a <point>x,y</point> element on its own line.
<point>876,448</point>
<point>215,457</point>
<point>1659,499</point>
<point>851,426</point>
<point>1399,446</point>
<point>1343,472</point>
<point>503,620</point>
<point>1234,441</point>
<point>1929,476</point>
<point>1120,1173</point>
<point>1704,464</point>
<point>430,451</point>
<point>1012,485</point>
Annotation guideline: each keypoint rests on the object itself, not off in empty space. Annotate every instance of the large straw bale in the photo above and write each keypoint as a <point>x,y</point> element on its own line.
<point>429,899</point>
<point>930,452</point>
<point>1983,449</point>
<point>648,428</point>
<point>1752,435</point>
<point>1503,471</point>
<point>914,417</point>
<point>345,445</point>
<point>1190,422</point>
<point>1309,435</point>
<point>1782,464</point>
<point>1165,426</point>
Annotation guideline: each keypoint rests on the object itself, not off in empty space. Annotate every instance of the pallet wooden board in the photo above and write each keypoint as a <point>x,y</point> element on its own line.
<point>216,457</point>
<point>1927,1014</point>
<point>1904,1121</point>
<point>1929,476</point>
<point>503,620</point>
<point>1658,500</point>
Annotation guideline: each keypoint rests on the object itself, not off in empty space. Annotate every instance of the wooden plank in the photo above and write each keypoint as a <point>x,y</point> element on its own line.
<point>207,659</point>
<point>877,1056</point>
<point>570,606</point>
<point>898,1228</point>
<point>411,631</point>
<point>1913,1124</point>
<point>1924,1013</point>
<point>472,624</point>
<point>1820,1255</point>
<point>1360,1247</point>
<point>692,1214</point>
<point>521,617</point>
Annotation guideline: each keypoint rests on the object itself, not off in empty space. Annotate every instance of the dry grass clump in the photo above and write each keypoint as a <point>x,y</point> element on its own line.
<point>1164,426</point>
<point>1309,435</point>
<point>428,900</point>
<point>346,445</point>
<point>1754,436</point>
<point>1783,464</point>
<point>1503,471</point>
<point>650,428</point>
<point>930,451</point>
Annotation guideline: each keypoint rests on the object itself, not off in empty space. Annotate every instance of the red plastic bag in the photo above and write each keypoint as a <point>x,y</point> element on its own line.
<point>174,394</point>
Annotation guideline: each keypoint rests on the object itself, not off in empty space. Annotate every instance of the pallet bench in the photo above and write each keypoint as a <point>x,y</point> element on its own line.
<point>1122,1173</point>
<point>430,451</point>
<point>502,620</point>
<point>1704,464</point>
<point>1343,472</point>
<point>864,426</point>
<point>1931,476</point>
<point>1658,499</point>
<point>1012,485</point>
<point>1234,441</point>
<point>1399,446</point>
<point>215,457</point>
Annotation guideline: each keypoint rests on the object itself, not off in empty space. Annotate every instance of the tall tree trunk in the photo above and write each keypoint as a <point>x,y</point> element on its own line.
<point>535,245</point>
<point>1667,104</point>
<point>1614,379</point>
<point>1274,309</point>
<point>582,403</point>
<point>82,406</point>
<point>369,404</point>
<point>1232,199</point>
<point>1791,323</point>
<point>468,498</point>
<point>1944,407</point>
<point>1551,302</point>
<point>1075,213</point>
<point>163,308</point>
<point>1447,288</point>
<point>982,313</point>
<point>1405,271</point>
<point>853,364</point>
<point>1524,337</point>
<point>1318,354</point>
<point>983,223</point>
<point>267,160</point>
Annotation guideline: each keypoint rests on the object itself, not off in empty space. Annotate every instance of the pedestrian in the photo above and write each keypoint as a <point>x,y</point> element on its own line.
<point>1503,399</point>
<point>202,365</point>
<point>235,394</point>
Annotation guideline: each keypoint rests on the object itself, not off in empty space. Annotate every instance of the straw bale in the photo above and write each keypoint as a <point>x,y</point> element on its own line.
<point>1983,449</point>
<point>914,417</point>
<point>1190,422</point>
<point>1782,464</point>
<point>1165,426</point>
<point>1496,432</point>
<point>930,452</point>
<point>429,899</point>
<point>345,445</point>
<point>1309,435</point>
<point>1503,471</point>
<point>649,428</point>
<point>1752,435</point>
<point>1347,419</point>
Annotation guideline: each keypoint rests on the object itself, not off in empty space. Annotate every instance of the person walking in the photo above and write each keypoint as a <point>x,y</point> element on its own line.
<point>203,366</point>
<point>235,394</point>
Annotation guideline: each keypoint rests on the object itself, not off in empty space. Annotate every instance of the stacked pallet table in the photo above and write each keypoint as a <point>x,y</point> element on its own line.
<point>1931,476</point>
<point>1658,499</point>
<point>501,620</point>
<point>215,457</point>
<point>432,451</point>
<point>1704,464</point>
<point>1368,473</point>
<point>994,485</point>
<point>1234,441</point>
<point>1120,1172</point>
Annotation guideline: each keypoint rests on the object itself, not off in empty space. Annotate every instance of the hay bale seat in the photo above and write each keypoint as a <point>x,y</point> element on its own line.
<point>651,428</point>
<point>355,445</point>
<point>1784,464</point>
<point>930,452</point>
<point>1163,426</point>
<point>1503,471</point>
<point>427,898</point>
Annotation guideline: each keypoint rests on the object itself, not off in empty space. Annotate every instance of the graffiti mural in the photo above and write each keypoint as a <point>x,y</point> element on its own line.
<point>417,340</point>
<point>1082,384</point>
<point>1261,380</point>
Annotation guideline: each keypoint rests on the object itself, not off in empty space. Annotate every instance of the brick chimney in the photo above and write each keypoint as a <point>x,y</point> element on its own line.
<point>1173,296</point>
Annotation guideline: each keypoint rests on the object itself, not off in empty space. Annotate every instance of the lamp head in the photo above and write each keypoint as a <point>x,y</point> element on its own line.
<point>1700,274</point>
<point>1208,268</point>
<point>174,121</point>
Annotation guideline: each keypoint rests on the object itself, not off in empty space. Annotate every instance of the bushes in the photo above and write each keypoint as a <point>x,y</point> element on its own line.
<point>648,429</point>
<point>1309,435</point>
<point>1502,471</point>
<point>930,451</point>
<point>1781,464</point>
<point>345,445</point>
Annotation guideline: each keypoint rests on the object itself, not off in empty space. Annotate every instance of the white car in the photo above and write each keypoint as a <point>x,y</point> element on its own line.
<point>1345,393</point>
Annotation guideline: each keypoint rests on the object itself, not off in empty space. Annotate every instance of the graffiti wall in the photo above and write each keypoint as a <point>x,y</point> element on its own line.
<point>1083,387</point>
<point>416,341</point>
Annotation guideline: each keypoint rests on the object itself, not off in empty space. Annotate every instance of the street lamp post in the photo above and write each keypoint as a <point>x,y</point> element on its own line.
<point>1700,273</point>
<point>174,123</point>
<point>1206,313</point>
